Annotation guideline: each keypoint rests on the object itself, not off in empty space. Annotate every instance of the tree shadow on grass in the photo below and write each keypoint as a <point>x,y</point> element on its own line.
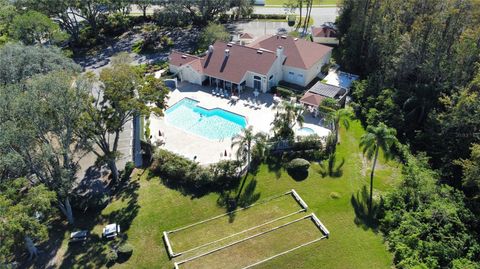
<point>244,196</point>
<point>363,218</point>
<point>92,253</point>
<point>331,168</point>
<point>298,175</point>
<point>274,165</point>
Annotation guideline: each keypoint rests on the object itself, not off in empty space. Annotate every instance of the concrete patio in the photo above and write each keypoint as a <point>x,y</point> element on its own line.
<point>211,151</point>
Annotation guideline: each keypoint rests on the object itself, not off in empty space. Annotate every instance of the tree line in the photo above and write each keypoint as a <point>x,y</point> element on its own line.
<point>420,67</point>
<point>51,115</point>
<point>56,19</point>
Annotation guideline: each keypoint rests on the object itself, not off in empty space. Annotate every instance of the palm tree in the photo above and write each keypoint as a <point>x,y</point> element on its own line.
<point>380,137</point>
<point>337,116</point>
<point>245,141</point>
<point>288,115</point>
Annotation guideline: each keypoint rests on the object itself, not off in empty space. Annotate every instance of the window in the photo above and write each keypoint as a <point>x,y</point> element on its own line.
<point>271,77</point>
<point>256,77</point>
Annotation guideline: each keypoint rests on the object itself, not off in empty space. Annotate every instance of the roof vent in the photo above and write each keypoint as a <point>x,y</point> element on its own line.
<point>227,52</point>
<point>210,48</point>
<point>295,39</point>
<point>284,36</point>
<point>230,44</point>
<point>260,51</point>
<point>184,56</point>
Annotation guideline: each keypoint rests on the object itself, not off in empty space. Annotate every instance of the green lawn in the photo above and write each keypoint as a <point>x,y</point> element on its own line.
<point>315,2</point>
<point>147,208</point>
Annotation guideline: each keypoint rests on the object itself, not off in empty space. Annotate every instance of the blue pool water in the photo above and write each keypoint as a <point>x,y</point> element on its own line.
<point>213,124</point>
<point>305,131</point>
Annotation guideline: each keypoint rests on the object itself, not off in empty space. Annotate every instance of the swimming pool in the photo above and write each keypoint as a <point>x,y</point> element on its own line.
<point>213,124</point>
<point>305,131</point>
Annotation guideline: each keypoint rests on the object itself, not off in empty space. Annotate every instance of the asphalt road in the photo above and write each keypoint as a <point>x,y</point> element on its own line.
<point>319,14</point>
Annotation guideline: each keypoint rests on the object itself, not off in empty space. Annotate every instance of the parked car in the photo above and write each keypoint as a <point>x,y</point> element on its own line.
<point>282,31</point>
<point>79,236</point>
<point>111,231</point>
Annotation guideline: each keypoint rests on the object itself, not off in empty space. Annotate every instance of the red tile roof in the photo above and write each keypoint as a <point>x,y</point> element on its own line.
<point>246,36</point>
<point>178,59</point>
<point>232,68</point>
<point>312,99</point>
<point>300,53</point>
<point>323,32</point>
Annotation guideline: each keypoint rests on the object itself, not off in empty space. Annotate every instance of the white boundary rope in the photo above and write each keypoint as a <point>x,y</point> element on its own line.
<point>169,247</point>
<point>299,199</point>
<point>241,232</point>
<point>243,240</point>
<point>228,213</point>
<point>283,253</point>
<point>320,225</point>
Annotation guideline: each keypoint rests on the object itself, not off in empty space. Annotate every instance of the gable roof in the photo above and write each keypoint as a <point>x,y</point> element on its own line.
<point>233,67</point>
<point>300,53</point>
<point>312,99</point>
<point>240,60</point>
<point>323,32</point>
<point>178,59</point>
<point>246,36</point>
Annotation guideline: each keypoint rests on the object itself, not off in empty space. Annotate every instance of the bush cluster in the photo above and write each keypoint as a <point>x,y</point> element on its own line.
<point>298,165</point>
<point>283,92</point>
<point>177,171</point>
<point>269,16</point>
<point>125,250</point>
<point>309,147</point>
<point>169,16</point>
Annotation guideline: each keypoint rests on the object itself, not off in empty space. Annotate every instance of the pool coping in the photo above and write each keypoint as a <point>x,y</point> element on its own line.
<point>198,102</point>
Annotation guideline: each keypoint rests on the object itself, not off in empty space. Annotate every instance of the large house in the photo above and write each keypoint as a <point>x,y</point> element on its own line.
<point>259,65</point>
<point>325,34</point>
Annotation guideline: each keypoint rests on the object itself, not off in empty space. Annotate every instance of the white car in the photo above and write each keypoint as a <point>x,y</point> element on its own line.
<point>111,230</point>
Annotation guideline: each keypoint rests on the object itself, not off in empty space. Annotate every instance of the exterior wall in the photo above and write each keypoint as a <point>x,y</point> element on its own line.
<point>249,80</point>
<point>187,73</point>
<point>173,68</point>
<point>317,68</point>
<point>296,72</point>
<point>276,71</point>
<point>308,75</point>
<point>326,40</point>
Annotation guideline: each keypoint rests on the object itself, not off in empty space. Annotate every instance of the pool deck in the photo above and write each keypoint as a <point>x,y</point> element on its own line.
<point>211,151</point>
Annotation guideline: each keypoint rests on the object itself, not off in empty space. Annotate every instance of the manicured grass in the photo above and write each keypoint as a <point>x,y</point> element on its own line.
<point>259,248</point>
<point>146,208</point>
<point>315,2</point>
<point>233,223</point>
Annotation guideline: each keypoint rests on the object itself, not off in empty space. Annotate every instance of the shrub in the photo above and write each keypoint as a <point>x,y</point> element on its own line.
<point>298,169</point>
<point>335,195</point>
<point>138,46</point>
<point>116,24</point>
<point>171,16</point>
<point>225,173</point>
<point>125,250</point>
<point>298,164</point>
<point>284,92</point>
<point>129,166</point>
<point>178,171</point>
<point>269,16</point>
<point>111,256</point>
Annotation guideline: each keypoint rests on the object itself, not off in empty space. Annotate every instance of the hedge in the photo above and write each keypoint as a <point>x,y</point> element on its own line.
<point>177,171</point>
<point>298,164</point>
